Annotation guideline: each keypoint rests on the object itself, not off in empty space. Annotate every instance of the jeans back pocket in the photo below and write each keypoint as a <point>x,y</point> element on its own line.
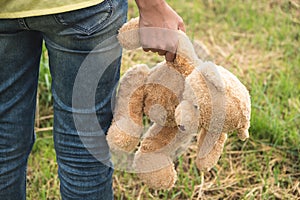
<point>87,20</point>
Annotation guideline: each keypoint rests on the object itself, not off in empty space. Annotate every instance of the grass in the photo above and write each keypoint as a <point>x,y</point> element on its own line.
<point>259,41</point>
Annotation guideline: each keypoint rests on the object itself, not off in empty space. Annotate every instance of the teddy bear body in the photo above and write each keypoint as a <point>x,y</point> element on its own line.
<point>219,103</point>
<point>181,98</point>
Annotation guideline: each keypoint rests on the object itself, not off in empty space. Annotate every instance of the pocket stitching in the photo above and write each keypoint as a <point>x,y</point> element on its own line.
<point>60,20</point>
<point>92,30</point>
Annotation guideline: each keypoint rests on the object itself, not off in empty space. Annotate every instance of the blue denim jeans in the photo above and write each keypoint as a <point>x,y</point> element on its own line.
<point>77,41</point>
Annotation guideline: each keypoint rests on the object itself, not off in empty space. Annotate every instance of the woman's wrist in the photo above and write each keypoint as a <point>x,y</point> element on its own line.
<point>148,5</point>
<point>144,4</point>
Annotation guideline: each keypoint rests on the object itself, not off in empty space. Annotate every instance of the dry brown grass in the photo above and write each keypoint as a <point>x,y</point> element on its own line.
<point>252,170</point>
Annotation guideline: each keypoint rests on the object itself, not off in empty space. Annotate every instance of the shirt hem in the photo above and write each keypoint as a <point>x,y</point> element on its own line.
<point>49,11</point>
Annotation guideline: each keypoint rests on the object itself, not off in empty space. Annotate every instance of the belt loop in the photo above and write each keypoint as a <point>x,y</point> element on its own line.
<point>23,24</point>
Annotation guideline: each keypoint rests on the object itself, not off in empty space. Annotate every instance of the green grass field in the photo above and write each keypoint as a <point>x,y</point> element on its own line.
<point>259,41</point>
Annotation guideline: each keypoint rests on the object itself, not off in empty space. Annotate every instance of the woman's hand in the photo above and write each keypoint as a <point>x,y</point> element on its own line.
<point>159,24</point>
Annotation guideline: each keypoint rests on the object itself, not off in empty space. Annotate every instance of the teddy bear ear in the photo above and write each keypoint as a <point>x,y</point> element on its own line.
<point>243,134</point>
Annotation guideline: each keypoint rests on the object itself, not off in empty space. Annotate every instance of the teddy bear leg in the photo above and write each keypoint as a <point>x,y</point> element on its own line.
<point>153,162</point>
<point>129,35</point>
<point>211,159</point>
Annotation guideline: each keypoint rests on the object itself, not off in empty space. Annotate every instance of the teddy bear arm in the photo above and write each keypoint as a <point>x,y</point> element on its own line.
<point>209,160</point>
<point>127,127</point>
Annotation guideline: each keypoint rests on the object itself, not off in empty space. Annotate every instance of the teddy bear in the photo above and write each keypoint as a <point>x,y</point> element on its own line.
<point>180,98</point>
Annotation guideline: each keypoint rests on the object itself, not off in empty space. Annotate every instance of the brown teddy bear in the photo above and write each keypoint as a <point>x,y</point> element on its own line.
<point>179,98</point>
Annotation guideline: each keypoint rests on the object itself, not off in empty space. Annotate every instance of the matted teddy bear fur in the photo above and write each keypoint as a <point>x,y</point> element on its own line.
<point>181,98</point>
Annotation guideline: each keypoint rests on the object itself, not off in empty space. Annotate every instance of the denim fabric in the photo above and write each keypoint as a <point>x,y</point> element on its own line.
<point>75,40</point>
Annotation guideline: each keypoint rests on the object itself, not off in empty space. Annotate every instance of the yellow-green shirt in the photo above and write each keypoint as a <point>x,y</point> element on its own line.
<point>29,8</point>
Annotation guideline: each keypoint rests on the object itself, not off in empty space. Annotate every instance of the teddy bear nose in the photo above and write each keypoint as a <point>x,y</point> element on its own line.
<point>181,127</point>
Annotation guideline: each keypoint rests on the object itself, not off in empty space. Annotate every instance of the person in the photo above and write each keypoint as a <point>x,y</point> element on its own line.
<point>72,30</point>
